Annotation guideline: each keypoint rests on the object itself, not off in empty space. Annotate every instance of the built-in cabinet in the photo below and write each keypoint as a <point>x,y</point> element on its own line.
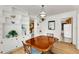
<point>18,22</point>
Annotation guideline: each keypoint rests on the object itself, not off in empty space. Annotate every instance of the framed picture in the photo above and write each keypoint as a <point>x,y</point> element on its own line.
<point>51,25</point>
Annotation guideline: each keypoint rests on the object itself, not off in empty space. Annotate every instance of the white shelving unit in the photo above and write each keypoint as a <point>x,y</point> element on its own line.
<point>8,44</point>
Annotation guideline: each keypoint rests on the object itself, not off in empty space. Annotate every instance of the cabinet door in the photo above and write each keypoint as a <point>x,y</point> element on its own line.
<point>1,48</point>
<point>9,45</point>
<point>67,33</point>
<point>67,30</point>
<point>1,40</point>
<point>1,31</point>
<point>18,43</point>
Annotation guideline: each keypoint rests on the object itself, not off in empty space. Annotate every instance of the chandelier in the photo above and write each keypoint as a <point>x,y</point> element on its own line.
<point>42,13</point>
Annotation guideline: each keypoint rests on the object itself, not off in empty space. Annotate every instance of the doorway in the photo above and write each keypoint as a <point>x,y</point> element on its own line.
<point>66,30</point>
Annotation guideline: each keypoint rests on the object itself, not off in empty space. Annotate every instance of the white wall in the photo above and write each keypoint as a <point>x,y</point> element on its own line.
<point>43,26</point>
<point>77,44</point>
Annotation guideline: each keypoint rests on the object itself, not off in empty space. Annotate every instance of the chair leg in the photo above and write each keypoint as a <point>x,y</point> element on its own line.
<point>28,49</point>
<point>43,52</point>
<point>51,52</point>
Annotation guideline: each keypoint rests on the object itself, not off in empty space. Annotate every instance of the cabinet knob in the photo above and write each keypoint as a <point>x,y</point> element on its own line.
<point>1,42</point>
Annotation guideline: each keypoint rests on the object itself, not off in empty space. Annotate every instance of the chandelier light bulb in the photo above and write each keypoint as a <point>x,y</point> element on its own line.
<point>42,13</point>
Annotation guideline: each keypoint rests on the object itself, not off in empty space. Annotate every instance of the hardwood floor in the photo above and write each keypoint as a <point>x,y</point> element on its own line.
<point>64,48</point>
<point>59,48</point>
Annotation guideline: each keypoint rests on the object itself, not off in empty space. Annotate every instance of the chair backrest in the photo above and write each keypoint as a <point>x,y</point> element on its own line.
<point>27,48</point>
<point>56,39</point>
<point>50,34</point>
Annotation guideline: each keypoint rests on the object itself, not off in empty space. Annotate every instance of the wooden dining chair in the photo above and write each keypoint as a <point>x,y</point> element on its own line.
<point>27,48</point>
<point>50,34</point>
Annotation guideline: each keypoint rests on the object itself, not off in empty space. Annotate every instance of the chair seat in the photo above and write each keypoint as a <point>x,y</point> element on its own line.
<point>35,51</point>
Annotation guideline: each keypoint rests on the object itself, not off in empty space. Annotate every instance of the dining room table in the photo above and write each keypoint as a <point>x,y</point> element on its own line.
<point>41,43</point>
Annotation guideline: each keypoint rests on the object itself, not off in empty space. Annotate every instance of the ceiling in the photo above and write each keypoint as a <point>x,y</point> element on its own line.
<point>50,9</point>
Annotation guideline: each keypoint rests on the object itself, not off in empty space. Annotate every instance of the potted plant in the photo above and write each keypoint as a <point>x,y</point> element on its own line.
<point>12,33</point>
